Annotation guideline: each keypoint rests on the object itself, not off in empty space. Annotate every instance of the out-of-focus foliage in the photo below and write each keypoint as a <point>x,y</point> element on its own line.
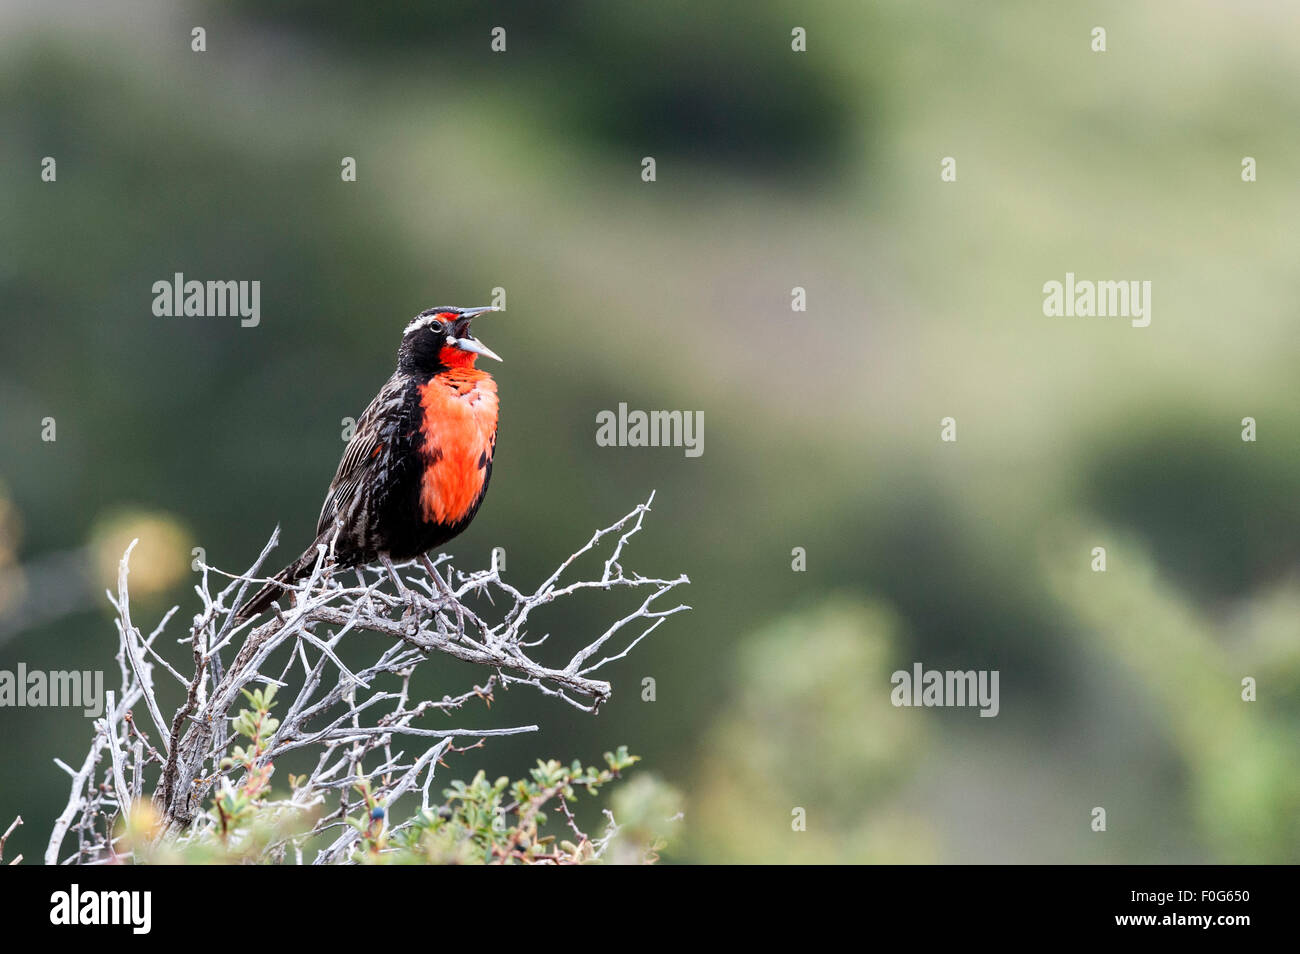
<point>481,822</point>
<point>676,75</point>
<point>12,584</point>
<point>502,822</point>
<point>809,734</point>
<point>159,561</point>
<point>1241,757</point>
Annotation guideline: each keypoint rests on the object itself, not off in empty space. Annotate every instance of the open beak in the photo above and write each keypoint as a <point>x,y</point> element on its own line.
<point>470,344</point>
<point>464,341</point>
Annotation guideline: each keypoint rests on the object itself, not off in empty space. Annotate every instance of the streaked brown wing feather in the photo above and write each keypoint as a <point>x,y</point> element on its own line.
<point>359,455</point>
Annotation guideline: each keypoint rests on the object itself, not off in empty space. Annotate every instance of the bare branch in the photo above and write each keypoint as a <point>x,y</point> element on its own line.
<point>18,820</point>
<point>354,721</point>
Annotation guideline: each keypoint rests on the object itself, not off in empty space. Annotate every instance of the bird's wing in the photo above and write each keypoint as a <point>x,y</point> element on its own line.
<point>360,454</point>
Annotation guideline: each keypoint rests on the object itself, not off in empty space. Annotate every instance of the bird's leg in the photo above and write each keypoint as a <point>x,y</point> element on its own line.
<point>392,573</point>
<point>447,594</point>
<point>402,591</point>
<point>437,577</point>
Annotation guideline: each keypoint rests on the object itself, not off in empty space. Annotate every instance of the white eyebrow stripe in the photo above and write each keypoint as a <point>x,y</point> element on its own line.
<point>422,321</point>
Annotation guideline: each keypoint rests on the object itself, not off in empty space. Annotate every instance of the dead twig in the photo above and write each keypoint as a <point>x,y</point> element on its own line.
<point>348,718</point>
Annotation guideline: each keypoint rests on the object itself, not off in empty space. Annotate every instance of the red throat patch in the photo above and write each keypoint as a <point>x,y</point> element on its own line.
<point>456,358</point>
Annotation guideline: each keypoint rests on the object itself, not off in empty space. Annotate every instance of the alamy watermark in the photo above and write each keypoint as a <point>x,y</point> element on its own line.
<point>651,429</point>
<point>213,299</point>
<point>1105,299</point>
<point>89,906</point>
<point>948,687</point>
<point>57,688</point>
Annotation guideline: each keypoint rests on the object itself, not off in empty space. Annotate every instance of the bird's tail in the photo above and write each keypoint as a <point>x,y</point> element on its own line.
<point>278,584</point>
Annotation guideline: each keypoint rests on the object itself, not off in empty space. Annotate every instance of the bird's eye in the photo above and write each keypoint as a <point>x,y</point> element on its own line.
<point>436,327</point>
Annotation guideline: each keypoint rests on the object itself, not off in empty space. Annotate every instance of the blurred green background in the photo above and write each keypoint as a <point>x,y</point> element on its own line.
<point>775,169</point>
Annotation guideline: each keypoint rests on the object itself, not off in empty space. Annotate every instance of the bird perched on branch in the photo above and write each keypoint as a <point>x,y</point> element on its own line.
<point>415,471</point>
